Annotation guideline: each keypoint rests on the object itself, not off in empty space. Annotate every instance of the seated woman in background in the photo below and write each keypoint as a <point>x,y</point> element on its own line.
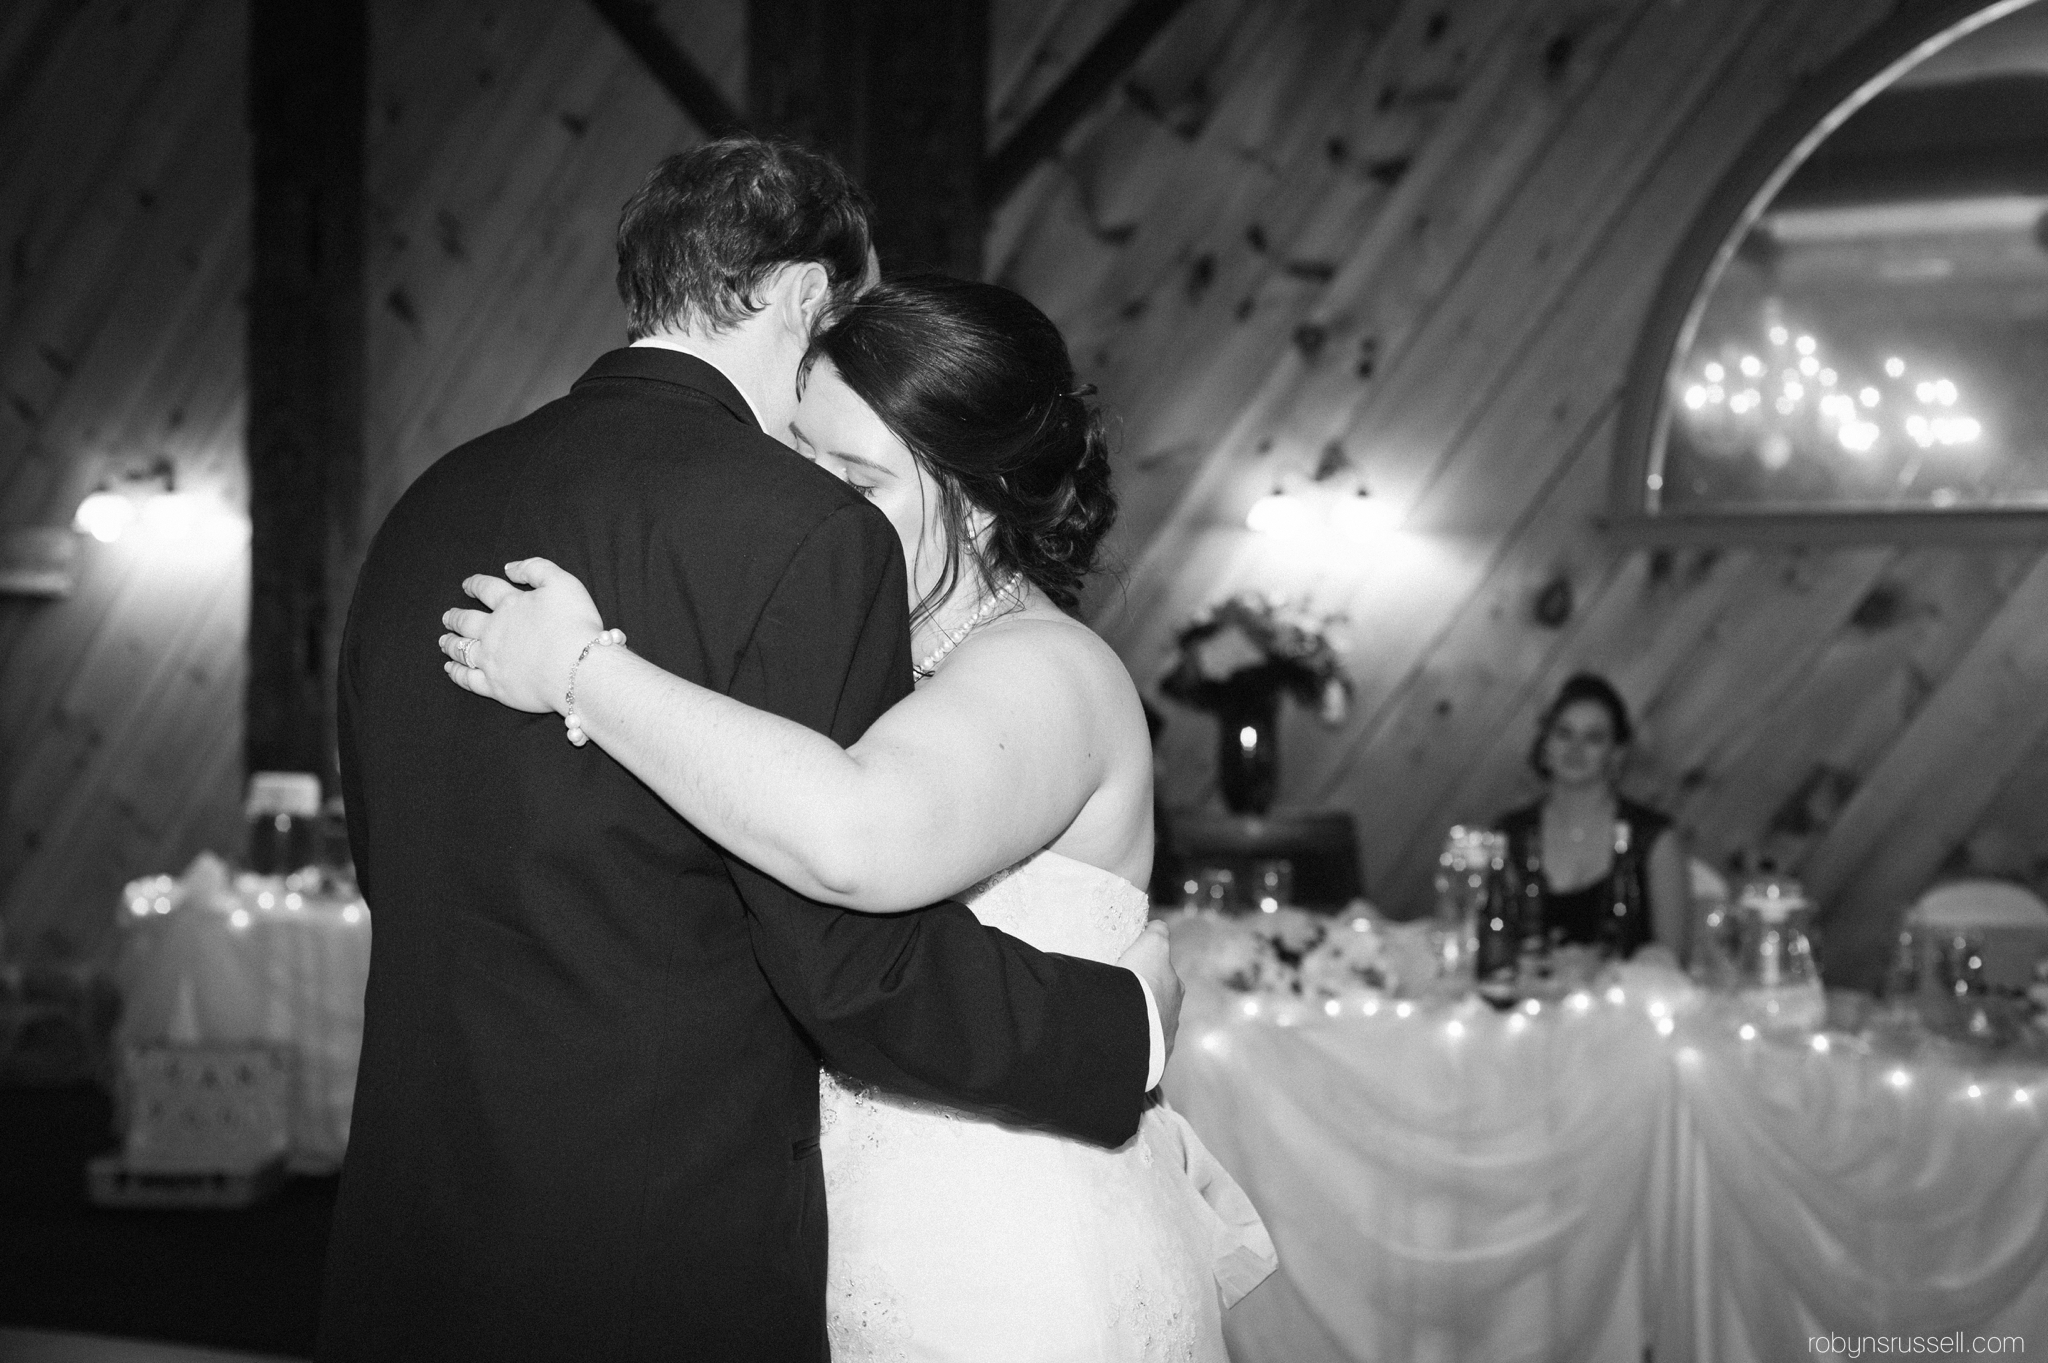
<point>1612,872</point>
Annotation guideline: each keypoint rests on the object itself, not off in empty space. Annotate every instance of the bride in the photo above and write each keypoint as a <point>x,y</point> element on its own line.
<point>1016,777</point>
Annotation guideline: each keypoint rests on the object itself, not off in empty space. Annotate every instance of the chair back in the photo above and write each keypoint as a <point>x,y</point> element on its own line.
<point>2009,920</point>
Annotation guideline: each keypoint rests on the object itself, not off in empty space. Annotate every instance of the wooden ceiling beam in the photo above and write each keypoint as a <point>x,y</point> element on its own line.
<point>1040,134</point>
<point>695,93</point>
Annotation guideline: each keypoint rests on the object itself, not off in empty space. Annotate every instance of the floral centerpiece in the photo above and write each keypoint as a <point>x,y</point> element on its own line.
<point>1235,660</point>
<point>1294,954</point>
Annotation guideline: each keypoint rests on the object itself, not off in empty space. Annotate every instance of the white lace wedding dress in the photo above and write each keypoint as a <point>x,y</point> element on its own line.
<point>955,1238</point>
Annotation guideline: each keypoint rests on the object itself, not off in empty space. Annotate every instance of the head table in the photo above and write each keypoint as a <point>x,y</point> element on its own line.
<point>1632,1165</point>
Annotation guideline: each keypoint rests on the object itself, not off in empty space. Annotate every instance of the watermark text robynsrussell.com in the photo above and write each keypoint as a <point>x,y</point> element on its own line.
<point>1956,1345</point>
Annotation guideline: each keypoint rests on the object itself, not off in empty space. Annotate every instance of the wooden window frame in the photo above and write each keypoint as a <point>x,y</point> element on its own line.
<point>1830,97</point>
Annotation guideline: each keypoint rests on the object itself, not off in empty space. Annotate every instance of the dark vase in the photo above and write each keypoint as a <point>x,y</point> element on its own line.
<point>1248,751</point>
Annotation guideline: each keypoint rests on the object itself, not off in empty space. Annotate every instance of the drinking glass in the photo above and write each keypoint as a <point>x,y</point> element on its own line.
<point>1272,884</point>
<point>1216,888</point>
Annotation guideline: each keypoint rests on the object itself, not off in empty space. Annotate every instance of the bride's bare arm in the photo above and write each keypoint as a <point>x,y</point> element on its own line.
<point>988,762</point>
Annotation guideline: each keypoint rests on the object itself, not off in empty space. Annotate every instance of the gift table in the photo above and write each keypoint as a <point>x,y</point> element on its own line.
<point>215,958</point>
<point>1622,1167</point>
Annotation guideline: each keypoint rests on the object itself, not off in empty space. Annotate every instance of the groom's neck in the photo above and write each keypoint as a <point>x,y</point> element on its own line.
<point>751,363</point>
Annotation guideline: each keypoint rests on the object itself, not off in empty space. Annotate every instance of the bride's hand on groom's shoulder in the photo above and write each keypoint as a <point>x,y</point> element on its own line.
<point>520,648</point>
<point>1149,957</point>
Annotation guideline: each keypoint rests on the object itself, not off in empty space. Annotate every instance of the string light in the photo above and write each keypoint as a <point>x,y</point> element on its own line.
<point>1288,1012</point>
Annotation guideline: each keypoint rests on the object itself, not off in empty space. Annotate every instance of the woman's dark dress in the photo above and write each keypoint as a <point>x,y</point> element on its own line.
<point>1614,911</point>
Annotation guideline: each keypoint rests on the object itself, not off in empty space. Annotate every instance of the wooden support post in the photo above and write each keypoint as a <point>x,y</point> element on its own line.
<point>308,80</point>
<point>897,90</point>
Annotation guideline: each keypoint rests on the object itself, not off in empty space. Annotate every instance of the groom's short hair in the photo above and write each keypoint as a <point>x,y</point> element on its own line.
<point>710,225</point>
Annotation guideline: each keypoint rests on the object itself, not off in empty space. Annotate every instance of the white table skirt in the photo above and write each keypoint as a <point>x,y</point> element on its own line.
<point>207,959</point>
<point>1465,1185</point>
<point>1850,1195</point>
<point>1451,1183</point>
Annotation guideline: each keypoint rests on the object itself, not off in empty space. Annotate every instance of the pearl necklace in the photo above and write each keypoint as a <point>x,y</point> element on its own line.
<point>952,641</point>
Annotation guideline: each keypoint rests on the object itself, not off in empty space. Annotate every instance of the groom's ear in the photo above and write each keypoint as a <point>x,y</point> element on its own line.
<point>807,293</point>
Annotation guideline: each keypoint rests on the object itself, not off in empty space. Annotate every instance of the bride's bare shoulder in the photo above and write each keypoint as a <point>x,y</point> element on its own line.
<point>1044,649</point>
<point>1053,635</point>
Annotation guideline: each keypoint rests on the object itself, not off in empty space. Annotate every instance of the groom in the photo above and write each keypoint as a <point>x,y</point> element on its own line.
<point>586,1125</point>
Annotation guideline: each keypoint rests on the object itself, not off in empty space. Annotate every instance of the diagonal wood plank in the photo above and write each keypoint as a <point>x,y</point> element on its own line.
<point>1898,646</point>
<point>1935,781</point>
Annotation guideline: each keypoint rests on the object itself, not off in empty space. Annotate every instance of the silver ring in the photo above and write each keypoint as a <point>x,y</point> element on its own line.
<point>467,644</point>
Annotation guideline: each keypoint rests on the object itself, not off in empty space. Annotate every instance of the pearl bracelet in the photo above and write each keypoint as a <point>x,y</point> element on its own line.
<point>569,717</point>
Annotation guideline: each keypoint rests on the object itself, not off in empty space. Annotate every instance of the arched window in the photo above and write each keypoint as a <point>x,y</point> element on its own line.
<point>1853,342</point>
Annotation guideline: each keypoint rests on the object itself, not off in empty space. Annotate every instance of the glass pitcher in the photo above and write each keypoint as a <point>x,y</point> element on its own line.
<point>1776,976</point>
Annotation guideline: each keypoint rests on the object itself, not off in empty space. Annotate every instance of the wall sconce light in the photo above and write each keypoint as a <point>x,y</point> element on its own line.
<point>1280,512</point>
<point>112,509</point>
<point>1357,516</point>
<point>1331,504</point>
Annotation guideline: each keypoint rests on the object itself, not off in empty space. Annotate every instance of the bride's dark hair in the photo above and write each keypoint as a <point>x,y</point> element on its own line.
<point>977,383</point>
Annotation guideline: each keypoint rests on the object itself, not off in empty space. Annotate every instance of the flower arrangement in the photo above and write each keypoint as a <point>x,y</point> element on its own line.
<point>1253,643</point>
<point>1294,954</point>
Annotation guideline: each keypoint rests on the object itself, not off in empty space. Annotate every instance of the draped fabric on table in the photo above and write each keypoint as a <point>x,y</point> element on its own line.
<point>1474,1186</point>
<point>207,959</point>
<point>1622,1170</point>
<point>1850,1194</point>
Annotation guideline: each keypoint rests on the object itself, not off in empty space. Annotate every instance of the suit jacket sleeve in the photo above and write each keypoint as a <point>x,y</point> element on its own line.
<point>928,1003</point>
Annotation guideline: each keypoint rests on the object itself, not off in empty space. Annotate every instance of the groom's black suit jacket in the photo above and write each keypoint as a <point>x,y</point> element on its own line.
<point>586,1125</point>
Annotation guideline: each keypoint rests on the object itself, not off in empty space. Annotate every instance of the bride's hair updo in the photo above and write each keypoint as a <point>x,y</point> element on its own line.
<point>977,383</point>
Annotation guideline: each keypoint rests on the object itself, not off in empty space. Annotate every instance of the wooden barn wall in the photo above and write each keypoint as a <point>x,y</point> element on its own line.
<point>503,137</point>
<point>1426,236</point>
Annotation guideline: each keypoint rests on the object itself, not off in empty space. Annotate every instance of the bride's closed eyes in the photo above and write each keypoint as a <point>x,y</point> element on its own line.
<point>862,475</point>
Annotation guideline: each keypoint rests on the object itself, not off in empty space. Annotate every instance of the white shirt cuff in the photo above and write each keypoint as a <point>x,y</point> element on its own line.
<point>1155,1068</point>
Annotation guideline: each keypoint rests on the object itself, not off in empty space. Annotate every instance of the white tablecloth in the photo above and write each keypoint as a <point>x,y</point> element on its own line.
<point>1447,1182</point>
<point>1848,1194</point>
<point>211,959</point>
